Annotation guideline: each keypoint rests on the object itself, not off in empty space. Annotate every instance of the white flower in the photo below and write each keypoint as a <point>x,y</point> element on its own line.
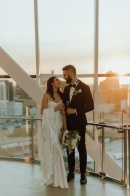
<point>63,138</point>
<point>77,91</point>
<point>73,143</point>
<point>70,140</point>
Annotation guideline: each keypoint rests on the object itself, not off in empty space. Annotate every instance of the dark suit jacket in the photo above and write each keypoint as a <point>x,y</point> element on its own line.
<point>82,101</point>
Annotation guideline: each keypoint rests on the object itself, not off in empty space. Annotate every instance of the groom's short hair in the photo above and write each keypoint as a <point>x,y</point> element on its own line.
<point>69,68</point>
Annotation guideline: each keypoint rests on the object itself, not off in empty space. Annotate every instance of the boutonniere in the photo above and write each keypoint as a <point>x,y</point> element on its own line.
<point>77,91</point>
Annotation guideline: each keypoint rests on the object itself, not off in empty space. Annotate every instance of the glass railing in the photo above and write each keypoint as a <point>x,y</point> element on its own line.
<point>115,118</point>
<point>107,158</point>
<point>113,162</point>
<point>19,138</point>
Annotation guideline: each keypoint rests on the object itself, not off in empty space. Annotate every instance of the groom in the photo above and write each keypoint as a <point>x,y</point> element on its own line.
<point>80,100</point>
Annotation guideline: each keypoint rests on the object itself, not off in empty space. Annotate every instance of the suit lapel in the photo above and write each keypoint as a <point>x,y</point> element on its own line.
<point>68,92</point>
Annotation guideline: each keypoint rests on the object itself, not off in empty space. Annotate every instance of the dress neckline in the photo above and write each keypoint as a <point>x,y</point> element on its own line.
<point>55,102</point>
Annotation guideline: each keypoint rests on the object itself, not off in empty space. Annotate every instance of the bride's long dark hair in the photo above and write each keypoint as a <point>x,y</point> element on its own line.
<point>50,88</point>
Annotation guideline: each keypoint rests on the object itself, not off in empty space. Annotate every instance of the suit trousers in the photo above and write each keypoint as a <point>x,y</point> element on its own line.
<point>82,155</point>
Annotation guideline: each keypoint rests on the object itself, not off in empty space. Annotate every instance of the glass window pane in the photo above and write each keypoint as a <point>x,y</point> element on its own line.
<point>114,36</point>
<point>17,32</point>
<point>66,35</point>
<point>114,97</point>
<point>14,101</point>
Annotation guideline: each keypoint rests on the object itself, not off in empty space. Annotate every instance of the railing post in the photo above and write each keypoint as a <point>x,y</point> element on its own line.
<point>128,184</point>
<point>103,174</point>
<point>32,141</point>
<point>103,149</point>
<point>125,156</point>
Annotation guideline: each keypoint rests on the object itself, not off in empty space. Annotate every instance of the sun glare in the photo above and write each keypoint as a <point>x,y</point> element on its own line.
<point>124,79</point>
<point>121,71</point>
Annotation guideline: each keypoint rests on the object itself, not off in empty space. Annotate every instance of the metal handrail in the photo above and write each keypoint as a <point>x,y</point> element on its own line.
<point>23,117</point>
<point>102,124</point>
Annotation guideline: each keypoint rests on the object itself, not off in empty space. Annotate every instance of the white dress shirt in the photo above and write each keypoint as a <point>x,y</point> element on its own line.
<point>72,89</point>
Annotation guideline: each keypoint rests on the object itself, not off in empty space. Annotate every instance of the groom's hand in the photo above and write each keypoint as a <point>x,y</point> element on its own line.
<point>71,111</point>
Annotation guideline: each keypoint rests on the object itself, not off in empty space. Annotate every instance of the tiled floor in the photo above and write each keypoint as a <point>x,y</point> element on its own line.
<point>25,179</point>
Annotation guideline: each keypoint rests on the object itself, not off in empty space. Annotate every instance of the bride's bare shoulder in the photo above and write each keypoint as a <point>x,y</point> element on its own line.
<point>45,96</point>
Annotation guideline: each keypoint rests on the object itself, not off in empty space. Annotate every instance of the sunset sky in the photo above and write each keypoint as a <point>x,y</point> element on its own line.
<point>66,34</point>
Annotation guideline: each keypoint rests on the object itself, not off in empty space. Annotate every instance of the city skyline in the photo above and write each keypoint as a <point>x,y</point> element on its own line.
<point>89,80</point>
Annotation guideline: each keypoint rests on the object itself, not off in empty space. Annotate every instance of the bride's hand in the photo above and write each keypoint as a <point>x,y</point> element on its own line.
<point>59,107</point>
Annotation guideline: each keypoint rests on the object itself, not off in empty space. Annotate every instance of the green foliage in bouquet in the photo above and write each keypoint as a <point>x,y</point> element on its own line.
<point>71,140</point>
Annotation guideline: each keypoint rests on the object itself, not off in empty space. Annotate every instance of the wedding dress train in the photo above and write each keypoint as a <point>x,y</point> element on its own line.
<point>52,162</point>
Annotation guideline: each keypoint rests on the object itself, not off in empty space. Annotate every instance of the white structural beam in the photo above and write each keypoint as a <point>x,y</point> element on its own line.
<point>20,77</point>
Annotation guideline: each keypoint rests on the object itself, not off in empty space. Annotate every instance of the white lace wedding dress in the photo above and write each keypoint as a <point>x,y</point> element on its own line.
<point>52,163</point>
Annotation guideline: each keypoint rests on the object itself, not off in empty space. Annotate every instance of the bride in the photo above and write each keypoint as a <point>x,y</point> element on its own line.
<point>53,123</point>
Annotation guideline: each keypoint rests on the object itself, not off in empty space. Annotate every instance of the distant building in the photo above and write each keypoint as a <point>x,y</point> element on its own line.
<point>6,90</point>
<point>11,108</point>
<point>110,83</point>
<point>123,104</point>
<point>111,92</point>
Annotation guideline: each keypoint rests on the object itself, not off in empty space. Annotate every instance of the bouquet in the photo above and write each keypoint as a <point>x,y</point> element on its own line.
<point>70,140</point>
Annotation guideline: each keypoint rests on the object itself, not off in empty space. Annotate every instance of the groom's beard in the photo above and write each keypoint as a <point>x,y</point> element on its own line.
<point>68,80</point>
